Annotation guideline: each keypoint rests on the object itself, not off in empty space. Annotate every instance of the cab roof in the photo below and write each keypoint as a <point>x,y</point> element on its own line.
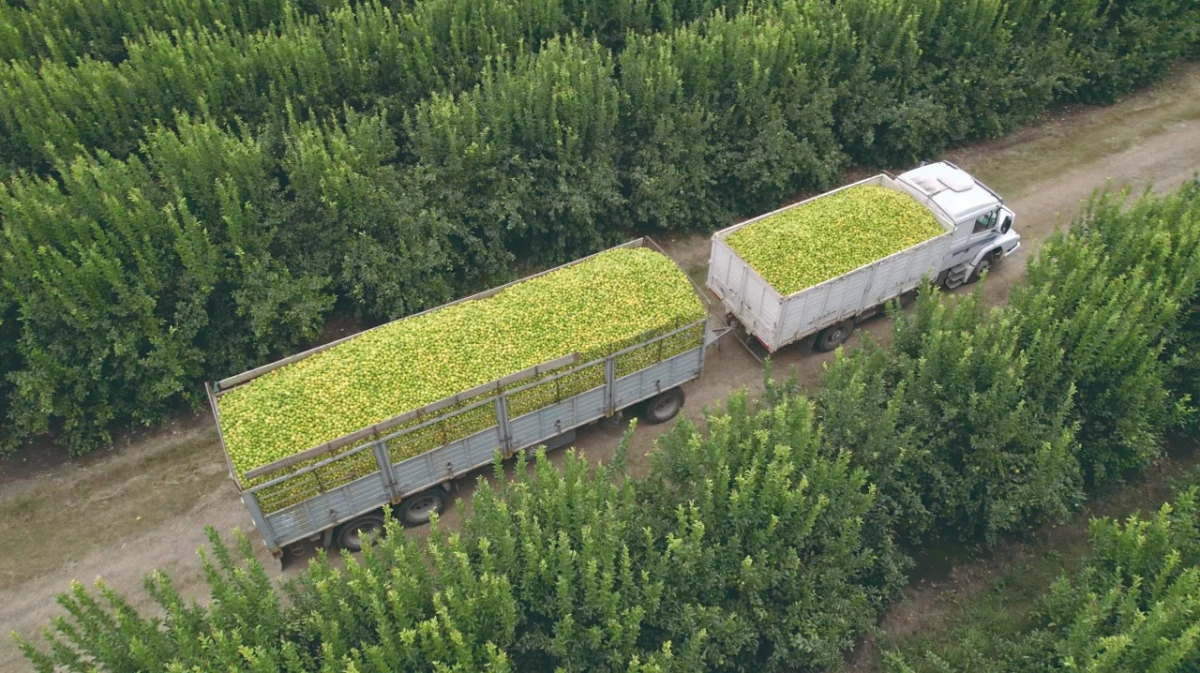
<point>952,189</point>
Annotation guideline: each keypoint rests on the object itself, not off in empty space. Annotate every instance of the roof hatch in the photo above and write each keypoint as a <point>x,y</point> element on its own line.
<point>953,179</point>
<point>957,180</point>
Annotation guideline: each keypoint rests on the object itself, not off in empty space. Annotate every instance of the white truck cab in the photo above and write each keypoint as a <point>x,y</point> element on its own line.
<point>983,232</point>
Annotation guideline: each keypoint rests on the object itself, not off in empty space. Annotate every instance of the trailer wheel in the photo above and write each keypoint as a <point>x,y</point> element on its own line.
<point>663,408</point>
<point>420,508</point>
<point>832,337</point>
<point>352,533</point>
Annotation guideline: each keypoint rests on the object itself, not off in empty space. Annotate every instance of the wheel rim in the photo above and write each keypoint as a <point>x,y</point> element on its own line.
<point>666,406</point>
<point>422,508</point>
<point>364,531</point>
<point>835,336</point>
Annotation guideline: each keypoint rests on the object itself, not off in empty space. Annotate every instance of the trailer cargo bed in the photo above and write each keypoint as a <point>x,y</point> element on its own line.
<point>383,479</point>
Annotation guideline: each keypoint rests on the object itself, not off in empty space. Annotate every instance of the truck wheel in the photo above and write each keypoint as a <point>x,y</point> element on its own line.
<point>832,337</point>
<point>352,533</point>
<point>420,508</point>
<point>663,408</point>
<point>984,265</point>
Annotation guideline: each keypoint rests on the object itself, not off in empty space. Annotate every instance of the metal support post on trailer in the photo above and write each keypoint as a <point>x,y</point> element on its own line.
<point>610,386</point>
<point>385,467</point>
<point>506,447</point>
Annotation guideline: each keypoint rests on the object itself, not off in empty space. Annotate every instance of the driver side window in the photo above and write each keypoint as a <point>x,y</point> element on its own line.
<point>986,221</point>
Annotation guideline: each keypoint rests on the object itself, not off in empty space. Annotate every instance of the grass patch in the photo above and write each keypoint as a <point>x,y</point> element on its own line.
<point>973,626</point>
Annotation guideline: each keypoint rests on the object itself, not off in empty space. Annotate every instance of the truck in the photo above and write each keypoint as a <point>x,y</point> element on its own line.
<point>977,234</point>
<point>344,510</point>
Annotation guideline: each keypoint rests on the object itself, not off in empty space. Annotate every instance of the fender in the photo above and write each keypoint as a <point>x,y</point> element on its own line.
<point>984,252</point>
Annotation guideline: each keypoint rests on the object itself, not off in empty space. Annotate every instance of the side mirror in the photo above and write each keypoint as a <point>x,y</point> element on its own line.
<point>1006,224</point>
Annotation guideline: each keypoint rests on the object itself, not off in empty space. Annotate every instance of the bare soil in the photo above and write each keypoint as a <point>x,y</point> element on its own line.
<point>143,506</point>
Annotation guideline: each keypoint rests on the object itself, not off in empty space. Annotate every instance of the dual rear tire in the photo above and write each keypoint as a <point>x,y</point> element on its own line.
<point>413,511</point>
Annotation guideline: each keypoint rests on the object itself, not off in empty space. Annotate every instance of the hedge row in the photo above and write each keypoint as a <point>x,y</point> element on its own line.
<point>246,64</point>
<point>764,563</point>
<point>68,31</point>
<point>976,423</point>
<point>768,541</point>
<point>1132,606</point>
<point>383,161</point>
<point>72,31</point>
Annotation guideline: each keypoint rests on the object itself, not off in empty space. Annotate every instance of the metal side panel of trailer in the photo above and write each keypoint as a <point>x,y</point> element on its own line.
<point>394,481</point>
<point>778,320</point>
<point>849,295</point>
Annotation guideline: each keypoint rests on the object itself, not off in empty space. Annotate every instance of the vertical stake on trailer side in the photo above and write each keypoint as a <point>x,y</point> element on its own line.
<point>260,521</point>
<point>610,386</point>
<point>384,460</point>
<point>502,418</point>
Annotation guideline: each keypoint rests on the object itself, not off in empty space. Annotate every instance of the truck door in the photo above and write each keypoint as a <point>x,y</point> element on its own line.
<point>984,229</point>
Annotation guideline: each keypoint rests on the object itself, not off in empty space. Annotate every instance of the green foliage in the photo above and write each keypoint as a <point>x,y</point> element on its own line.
<point>764,564</point>
<point>977,424</point>
<point>1132,606</point>
<point>126,297</point>
<point>388,157</point>
<point>525,160</point>
<point>1118,46</point>
<point>69,30</point>
<point>945,422</point>
<point>1119,289</point>
<point>786,562</point>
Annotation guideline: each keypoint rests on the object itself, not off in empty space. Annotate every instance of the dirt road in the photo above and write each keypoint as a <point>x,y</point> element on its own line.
<point>120,515</point>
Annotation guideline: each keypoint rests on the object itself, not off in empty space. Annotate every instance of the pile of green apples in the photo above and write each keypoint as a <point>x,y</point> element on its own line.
<point>832,235</point>
<point>595,307</point>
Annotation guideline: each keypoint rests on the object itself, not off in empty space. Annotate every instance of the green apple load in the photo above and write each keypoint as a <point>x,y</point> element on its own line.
<point>601,305</point>
<point>832,235</point>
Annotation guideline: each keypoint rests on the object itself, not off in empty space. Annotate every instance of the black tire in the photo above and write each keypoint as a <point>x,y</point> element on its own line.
<point>663,407</point>
<point>832,337</point>
<point>420,508</point>
<point>350,535</point>
<point>984,265</point>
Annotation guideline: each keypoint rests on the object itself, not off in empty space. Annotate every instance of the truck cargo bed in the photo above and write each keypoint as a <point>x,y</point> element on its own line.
<point>777,320</point>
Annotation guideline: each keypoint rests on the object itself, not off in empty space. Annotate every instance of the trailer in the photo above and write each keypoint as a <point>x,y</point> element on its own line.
<point>343,509</point>
<point>977,234</point>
